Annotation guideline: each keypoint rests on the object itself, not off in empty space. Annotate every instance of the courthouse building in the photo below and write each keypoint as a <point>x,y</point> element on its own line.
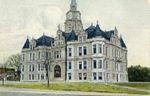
<point>76,54</point>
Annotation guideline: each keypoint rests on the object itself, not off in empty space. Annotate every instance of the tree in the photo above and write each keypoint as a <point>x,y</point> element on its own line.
<point>139,74</point>
<point>14,61</point>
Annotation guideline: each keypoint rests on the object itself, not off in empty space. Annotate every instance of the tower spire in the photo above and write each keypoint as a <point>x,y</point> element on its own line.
<point>73,2</point>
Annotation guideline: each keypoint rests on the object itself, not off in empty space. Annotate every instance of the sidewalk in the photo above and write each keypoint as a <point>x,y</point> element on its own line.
<point>76,93</point>
<point>125,87</point>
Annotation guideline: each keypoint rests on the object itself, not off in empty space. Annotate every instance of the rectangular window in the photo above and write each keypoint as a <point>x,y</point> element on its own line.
<point>22,68</point>
<point>39,67</point>
<point>69,65</point>
<point>33,56</point>
<point>84,38</point>
<point>94,76</point>
<point>42,76</point>
<point>100,64</point>
<point>42,67</point>
<point>94,64</point>
<point>94,49</point>
<point>69,76</point>
<point>29,76</point>
<point>30,68</point>
<point>57,54</point>
<point>106,51</point>
<point>84,50</point>
<point>43,54</point>
<point>39,55</point>
<point>23,57</point>
<point>80,76</point>
<point>32,76</point>
<point>116,66</point>
<point>80,39</point>
<point>70,52</point>
<point>80,51</point>
<point>30,56</point>
<point>80,65</point>
<point>106,65</point>
<point>38,76</point>
<point>100,75</point>
<point>100,48</point>
<point>46,55</point>
<point>22,76</point>
<point>85,76</point>
<point>85,64</point>
<point>33,67</point>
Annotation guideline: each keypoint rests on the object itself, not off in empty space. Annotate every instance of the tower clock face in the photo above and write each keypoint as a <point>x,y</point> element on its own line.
<point>69,15</point>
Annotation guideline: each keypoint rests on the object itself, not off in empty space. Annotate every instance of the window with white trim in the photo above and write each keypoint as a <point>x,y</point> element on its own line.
<point>84,50</point>
<point>80,39</point>
<point>38,76</point>
<point>23,57</point>
<point>80,76</point>
<point>85,76</point>
<point>69,76</point>
<point>69,53</point>
<point>39,65</point>
<point>94,76</point>
<point>85,64</point>
<point>22,76</point>
<point>80,65</point>
<point>32,76</point>
<point>99,48</point>
<point>94,64</point>
<point>33,67</point>
<point>94,49</point>
<point>39,55</point>
<point>22,68</point>
<point>29,76</point>
<point>99,64</point>
<point>42,67</point>
<point>100,77</point>
<point>69,65</point>
<point>42,76</point>
<point>80,51</point>
<point>84,38</point>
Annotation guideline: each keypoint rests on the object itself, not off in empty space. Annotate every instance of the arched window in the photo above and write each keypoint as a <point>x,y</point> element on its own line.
<point>57,71</point>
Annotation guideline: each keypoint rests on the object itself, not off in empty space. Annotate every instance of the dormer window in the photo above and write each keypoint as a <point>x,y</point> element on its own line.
<point>80,39</point>
<point>84,38</point>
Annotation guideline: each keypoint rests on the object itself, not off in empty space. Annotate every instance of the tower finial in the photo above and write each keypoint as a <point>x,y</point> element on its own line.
<point>59,26</point>
<point>97,22</point>
<point>73,2</point>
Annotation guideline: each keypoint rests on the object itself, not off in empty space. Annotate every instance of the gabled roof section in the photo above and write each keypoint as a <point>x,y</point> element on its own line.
<point>122,42</point>
<point>27,43</point>
<point>44,41</point>
<point>72,36</point>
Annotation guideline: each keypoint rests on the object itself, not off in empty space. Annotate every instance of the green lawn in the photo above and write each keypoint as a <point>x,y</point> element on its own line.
<point>86,87</point>
<point>145,86</point>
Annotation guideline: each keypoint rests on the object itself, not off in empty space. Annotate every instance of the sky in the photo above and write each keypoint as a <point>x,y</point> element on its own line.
<point>22,18</point>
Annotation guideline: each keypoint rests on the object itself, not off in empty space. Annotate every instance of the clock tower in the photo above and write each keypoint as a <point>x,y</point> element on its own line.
<point>73,19</point>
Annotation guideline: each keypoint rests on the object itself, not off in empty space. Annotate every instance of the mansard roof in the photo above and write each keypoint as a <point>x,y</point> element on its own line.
<point>65,35</point>
<point>72,36</point>
<point>26,44</point>
<point>44,41</point>
<point>96,31</point>
<point>122,42</point>
<point>93,31</point>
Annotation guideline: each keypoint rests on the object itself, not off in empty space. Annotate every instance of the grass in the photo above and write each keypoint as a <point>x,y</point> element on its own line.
<point>145,86</point>
<point>86,87</point>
